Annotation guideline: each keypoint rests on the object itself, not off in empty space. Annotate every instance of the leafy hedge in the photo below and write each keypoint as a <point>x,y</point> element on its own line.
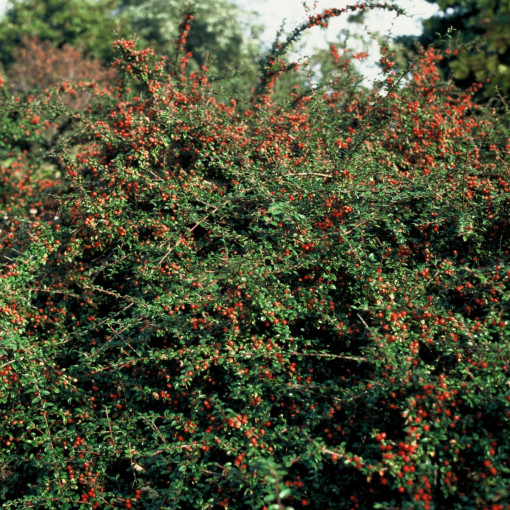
<point>213,303</point>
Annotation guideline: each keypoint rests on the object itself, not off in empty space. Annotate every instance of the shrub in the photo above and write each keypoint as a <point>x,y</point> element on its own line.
<point>264,304</point>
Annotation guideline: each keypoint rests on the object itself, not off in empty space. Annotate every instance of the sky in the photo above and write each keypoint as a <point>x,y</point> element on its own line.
<point>273,12</point>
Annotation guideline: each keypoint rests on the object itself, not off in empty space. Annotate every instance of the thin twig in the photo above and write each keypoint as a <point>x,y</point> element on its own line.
<point>192,229</point>
<point>109,426</point>
<point>153,426</point>
<point>306,174</point>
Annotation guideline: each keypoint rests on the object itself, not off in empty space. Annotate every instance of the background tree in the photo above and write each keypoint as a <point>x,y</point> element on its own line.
<point>88,24</point>
<point>480,43</point>
<point>216,35</point>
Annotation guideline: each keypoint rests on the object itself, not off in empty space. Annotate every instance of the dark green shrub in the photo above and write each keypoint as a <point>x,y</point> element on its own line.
<point>260,305</point>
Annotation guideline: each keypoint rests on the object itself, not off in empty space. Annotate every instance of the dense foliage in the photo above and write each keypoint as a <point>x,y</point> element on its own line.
<point>262,302</point>
<point>87,24</point>
<point>479,47</point>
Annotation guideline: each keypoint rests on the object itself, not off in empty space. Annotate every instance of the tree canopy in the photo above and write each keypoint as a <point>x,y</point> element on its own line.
<point>216,35</point>
<point>88,24</point>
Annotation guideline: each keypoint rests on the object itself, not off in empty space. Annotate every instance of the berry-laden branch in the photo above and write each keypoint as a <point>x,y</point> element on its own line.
<point>273,64</point>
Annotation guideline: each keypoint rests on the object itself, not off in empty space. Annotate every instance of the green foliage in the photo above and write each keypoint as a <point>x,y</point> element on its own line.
<point>274,302</point>
<point>479,47</point>
<point>216,37</point>
<point>87,24</point>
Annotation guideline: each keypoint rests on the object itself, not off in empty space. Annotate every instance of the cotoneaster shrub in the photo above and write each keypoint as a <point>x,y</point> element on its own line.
<point>293,304</point>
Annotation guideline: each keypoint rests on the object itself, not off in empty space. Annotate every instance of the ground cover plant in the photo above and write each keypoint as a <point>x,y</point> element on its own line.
<point>277,301</point>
